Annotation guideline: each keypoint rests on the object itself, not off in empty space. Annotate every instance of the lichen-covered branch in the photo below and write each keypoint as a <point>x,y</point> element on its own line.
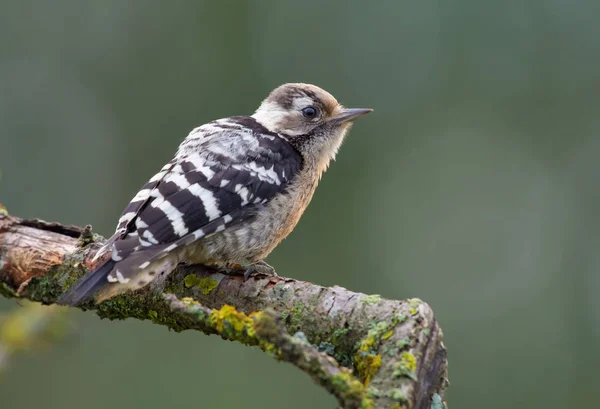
<point>367,351</point>
<point>265,329</point>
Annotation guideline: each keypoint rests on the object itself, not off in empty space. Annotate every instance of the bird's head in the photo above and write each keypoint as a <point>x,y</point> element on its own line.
<point>309,117</point>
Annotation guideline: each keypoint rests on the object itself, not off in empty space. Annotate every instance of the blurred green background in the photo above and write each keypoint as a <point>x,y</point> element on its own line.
<point>473,185</point>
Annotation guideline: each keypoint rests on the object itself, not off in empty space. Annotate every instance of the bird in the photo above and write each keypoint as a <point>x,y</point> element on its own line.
<point>234,190</point>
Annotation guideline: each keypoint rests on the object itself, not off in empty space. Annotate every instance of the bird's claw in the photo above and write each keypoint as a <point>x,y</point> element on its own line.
<point>261,268</point>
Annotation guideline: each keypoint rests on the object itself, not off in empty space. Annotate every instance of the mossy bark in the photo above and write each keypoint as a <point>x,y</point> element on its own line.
<point>393,348</point>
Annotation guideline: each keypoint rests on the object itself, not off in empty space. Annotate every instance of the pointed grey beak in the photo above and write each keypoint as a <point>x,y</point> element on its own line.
<point>350,114</point>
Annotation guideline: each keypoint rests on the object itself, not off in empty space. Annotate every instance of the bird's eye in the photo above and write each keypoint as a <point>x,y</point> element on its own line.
<point>309,112</point>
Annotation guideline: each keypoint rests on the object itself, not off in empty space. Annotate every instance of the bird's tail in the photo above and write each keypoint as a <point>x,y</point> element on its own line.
<point>88,285</point>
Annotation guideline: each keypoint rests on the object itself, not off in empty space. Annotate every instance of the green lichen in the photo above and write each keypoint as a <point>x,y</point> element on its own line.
<point>127,305</point>
<point>6,291</point>
<point>282,292</point>
<point>403,343</point>
<point>49,287</point>
<point>367,361</point>
<point>374,392</point>
<point>337,342</point>
<point>339,334</point>
<point>343,353</point>
<point>437,402</point>
<point>143,306</point>
<point>3,211</point>
<point>352,389</point>
<point>398,396</point>
<point>406,366</point>
<point>191,280</point>
<point>414,304</point>
<point>327,347</point>
<point>389,350</point>
<point>296,316</point>
<point>206,284</point>
<point>301,336</point>
<point>370,299</point>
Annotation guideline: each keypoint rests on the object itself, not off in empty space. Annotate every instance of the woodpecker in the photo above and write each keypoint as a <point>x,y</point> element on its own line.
<point>234,190</point>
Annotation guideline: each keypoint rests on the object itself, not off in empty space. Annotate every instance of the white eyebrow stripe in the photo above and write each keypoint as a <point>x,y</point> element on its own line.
<point>303,102</point>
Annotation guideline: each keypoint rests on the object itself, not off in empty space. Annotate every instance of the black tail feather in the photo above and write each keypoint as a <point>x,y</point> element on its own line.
<point>88,285</point>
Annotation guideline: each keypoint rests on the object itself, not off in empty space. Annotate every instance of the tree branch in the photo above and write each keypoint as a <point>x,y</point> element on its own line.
<point>367,351</point>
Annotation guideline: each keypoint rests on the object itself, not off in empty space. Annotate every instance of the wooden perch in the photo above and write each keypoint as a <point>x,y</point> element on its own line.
<point>367,351</point>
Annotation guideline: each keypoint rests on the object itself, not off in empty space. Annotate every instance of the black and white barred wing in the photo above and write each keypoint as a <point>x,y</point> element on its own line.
<point>136,205</point>
<point>221,173</point>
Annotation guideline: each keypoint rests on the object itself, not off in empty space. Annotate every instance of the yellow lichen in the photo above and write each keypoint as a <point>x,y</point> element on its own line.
<point>235,325</point>
<point>189,301</point>
<point>409,360</point>
<point>229,318</point>
<point>367,365</point>
<point>190,280</point>
<point>387,335</point>
<point>352,388</point>
<point>406,366</point>
<point>270,348</point>
<point>414,303</point>
<point>205,284</point>
<point>370,299</point>
<point>367,360</point>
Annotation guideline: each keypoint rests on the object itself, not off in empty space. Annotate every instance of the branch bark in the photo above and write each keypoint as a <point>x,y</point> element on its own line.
<point>367,351</point>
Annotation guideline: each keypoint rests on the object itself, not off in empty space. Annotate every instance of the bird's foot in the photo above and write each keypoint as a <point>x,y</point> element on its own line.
<point>259,268</point>
<point>248,270</point>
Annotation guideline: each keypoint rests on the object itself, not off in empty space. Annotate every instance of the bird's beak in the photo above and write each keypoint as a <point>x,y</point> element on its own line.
<point>350,114</point>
